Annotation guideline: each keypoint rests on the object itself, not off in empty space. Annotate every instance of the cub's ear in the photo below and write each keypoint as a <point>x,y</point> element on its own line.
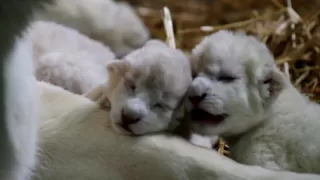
<point>116,69</point>
<point>275,80</point>
<point>272,83</point>
<point>118,66</point>
<point>265,83</point>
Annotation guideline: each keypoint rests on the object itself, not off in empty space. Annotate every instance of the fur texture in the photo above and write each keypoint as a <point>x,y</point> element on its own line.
<point>150,82</point>
<point>115,24</point>
<point>74,143</point>
<point>18,121</point>
<point>67,58</point>
<point>21,110</point>
<point>246,99</point>
<point>148,89</point>
<point>77,142</point>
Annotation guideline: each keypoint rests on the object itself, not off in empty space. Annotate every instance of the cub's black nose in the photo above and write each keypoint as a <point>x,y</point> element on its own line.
<point>196,99</point>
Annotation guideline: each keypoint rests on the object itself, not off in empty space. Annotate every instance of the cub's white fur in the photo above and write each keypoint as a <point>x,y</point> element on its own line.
<point>77,142</point>
<point>266,120</point>
<point>203,141</point>
<point>160,76</point>
<point>66,58</point>
<point>149,86</point>
<point>115,24</point>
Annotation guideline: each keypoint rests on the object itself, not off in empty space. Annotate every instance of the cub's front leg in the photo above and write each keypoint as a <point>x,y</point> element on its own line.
<point>103,92</point>
<point>98,95</point>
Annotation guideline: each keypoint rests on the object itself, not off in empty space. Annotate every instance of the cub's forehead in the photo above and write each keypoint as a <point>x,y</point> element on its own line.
<point>158,66</point>
<point>231,50</point>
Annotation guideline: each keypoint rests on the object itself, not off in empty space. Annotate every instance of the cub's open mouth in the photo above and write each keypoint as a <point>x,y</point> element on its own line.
<point>202,116</point>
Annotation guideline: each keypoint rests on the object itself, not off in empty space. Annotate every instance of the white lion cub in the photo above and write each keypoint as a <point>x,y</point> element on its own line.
<point>240,94</point>
<point>67,58</point>
<point>116,24</point>
<point>146,88</point>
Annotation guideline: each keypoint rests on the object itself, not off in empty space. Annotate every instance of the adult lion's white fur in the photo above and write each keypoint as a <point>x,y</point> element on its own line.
<point>115,24</point>
<point>67,58</point>
<point>21,113</point>
<point>248,101</point>
<point>18,95</point>
<point>77,142</point>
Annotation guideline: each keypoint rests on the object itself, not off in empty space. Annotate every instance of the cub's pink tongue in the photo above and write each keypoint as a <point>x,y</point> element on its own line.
<point>201,116</point>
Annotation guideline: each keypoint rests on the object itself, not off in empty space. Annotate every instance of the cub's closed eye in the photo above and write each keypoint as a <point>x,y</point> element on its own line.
<point>226,78</point>
<point>158,105</point>
<point>130,84</point>
<point>267,81</point>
